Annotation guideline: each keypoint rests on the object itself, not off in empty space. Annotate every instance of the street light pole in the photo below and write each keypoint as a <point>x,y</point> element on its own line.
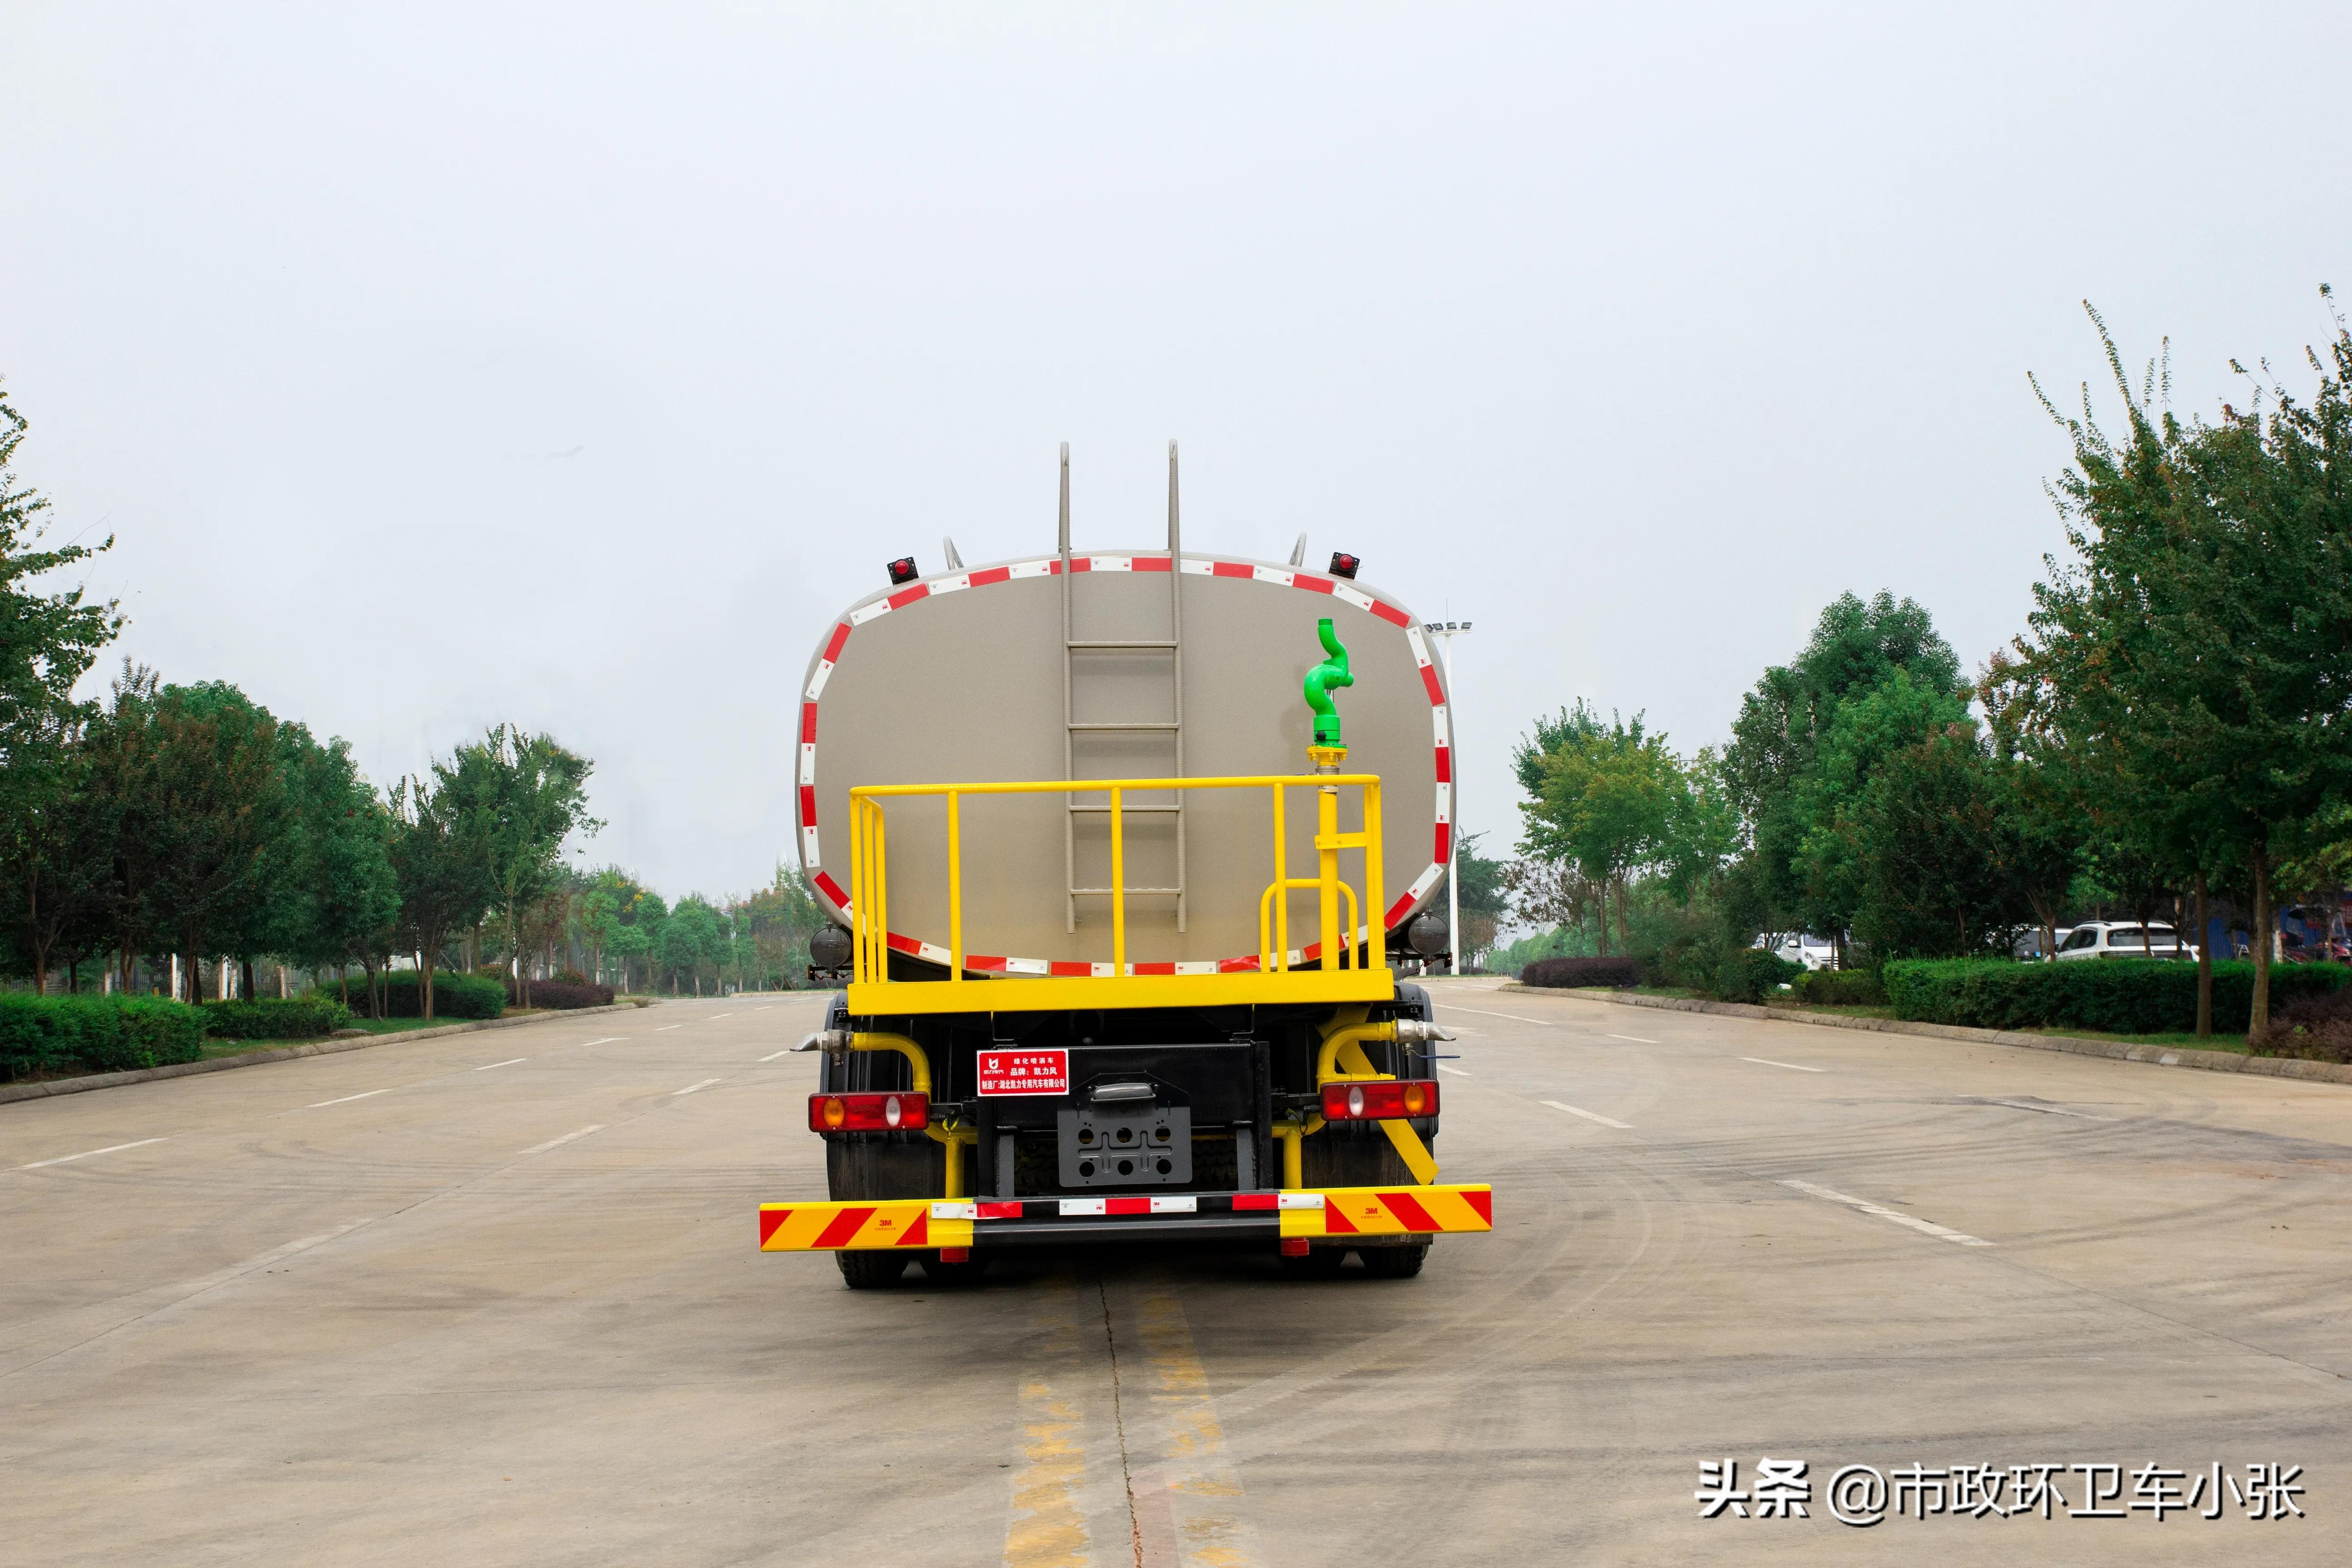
<point>1446,631</point>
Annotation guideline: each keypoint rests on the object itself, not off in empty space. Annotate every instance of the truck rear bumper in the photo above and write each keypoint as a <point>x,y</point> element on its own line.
<point>1329,1212</point>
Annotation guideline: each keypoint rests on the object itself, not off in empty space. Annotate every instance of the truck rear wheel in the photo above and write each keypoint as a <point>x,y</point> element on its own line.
<point>870,1270</point>
<point>1394,1262</point>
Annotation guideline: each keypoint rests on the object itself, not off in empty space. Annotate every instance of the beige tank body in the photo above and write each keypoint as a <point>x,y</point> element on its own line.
<point>959,678</point>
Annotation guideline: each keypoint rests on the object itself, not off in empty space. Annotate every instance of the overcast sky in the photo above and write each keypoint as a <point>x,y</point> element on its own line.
<point>574,365</point>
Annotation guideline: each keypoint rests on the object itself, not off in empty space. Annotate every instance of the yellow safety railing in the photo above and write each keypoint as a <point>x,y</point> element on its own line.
<point>869,877</point>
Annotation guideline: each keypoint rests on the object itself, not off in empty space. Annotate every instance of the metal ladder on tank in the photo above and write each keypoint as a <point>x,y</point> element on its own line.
<point>1073,649</point>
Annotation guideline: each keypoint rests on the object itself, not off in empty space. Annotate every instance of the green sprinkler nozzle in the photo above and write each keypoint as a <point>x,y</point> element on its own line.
<point>1331,672</point>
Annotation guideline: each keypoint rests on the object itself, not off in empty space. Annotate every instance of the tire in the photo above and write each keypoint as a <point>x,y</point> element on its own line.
<point>953,1274</point>
<point>1394,1262</point>
<point>870,1270</point>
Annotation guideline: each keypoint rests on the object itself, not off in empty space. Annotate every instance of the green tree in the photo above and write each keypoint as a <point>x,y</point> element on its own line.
<point>694,935</point>
<point>1856,647</point>
<point>200,816</point>
<point>2197,651</point>
<point>346,897</point>
<point>50,888</point>
<point>440,869</point>
<point>1943,856</point>
<point>1828,807</point>
<point>519,796</point>
<point>1612,799</point>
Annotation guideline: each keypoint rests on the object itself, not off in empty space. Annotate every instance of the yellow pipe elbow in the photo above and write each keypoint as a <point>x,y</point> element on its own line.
<point>918,1062</point>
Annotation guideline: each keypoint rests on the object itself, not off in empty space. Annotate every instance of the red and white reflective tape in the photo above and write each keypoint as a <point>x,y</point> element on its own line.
<point>1192,565</point>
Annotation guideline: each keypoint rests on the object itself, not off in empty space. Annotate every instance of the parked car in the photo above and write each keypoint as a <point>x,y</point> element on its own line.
<point>1812,952</point>
<point>2114,939</point>
<point>2029,946</point>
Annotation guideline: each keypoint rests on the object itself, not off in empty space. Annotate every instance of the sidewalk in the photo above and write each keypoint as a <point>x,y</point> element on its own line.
<point>16,1092</point>
<point>2118,1051</point>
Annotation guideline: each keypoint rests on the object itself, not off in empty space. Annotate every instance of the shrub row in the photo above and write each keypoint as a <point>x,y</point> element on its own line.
<point>270,1018</point>
<point>2316,1028</point>
<point>560,994</point>
<point>1556,972</point>
<point>1841,988</point>
<point>455,995</point>
<point>95,1033</point>
<point>2113,995</point>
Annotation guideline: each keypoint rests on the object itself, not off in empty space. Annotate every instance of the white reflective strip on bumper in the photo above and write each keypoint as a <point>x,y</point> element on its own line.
<point>1082,1206</point>
<point>1176,1205</point>
<point>1300,1200</point>
<point>952,1210</point>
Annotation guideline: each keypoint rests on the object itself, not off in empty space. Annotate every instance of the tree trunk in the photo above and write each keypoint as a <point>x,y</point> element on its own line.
<point>2204,968</point>
<point>251,990</point>
<point>343,981</point>
<point>425,981</point>
<point>1624,933</point>
<point>2259,1018</point>
<point>1601,891</point>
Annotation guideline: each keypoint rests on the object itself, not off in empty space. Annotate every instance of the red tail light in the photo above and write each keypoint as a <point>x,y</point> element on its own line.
<point>868,1112</point>
<point>1389,1101</point>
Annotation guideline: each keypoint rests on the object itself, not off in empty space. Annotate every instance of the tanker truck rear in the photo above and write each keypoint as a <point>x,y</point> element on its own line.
<point>1116,845</point>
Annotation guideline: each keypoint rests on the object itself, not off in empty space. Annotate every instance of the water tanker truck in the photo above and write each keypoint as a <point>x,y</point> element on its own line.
<point>1116,846</point>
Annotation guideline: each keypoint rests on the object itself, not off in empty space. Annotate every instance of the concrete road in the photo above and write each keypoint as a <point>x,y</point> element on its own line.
<point>494,1299</point>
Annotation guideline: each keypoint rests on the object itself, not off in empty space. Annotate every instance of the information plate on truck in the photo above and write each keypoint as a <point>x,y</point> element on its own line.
<point>1024,1072</point>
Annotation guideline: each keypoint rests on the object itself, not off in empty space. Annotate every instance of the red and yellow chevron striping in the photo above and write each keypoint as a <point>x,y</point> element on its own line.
<point>1393,1211</point>
<point>959,1222</point>
<point>838,1227</point>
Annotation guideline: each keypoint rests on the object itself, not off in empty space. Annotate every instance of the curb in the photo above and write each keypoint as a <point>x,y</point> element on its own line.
<point>12,1092</point>
<point>2115,1050</point>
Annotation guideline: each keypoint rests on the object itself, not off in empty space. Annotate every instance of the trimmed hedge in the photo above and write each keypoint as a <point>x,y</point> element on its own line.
<point>560,994</point>
<point>1841,988</point>
<point>1558,971</point>
<point>2113,995</point>
<point>455,995</point>
<point>270,1019</point>
<point>95,1033</point>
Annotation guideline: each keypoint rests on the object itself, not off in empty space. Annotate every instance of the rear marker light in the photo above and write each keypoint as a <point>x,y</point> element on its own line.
<point>868,1112</point>
<point>1388,1101</point>
<point>902,571</point>
<point>1294,1247</point>
<point>1344,564</point>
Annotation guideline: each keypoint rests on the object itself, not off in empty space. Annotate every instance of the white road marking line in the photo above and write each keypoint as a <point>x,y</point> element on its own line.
<point>2049,1109</point>
<point>606,1040</point>
<point>87,1153</point>
<point>785,1052</point>
<point>1944,1233</point>
<point>1457,1072</point>
<point>349,1098</point>
<point>706,1083</point>
<point>508,1063</point>
<point>1513,1017</point>
<point>668,1026</point>
<point>1589,1115</point>
<point>1637,1039</point>
<point>559,1143</point>
<point>1768,1061</point>
<point>722,1014</point>
<point>762,1009</point>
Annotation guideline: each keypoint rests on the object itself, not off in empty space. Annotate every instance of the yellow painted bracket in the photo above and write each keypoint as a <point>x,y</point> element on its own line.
<point>1348,1056</point>
<point>1391,1211</point>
